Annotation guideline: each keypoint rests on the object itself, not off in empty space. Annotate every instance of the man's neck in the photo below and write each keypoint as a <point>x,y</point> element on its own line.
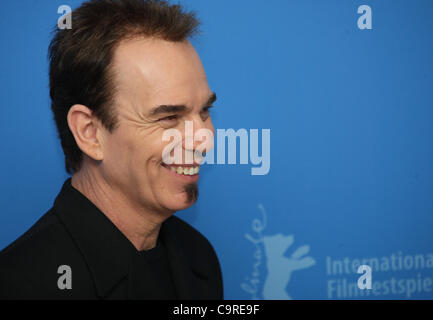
<point>139,226</point>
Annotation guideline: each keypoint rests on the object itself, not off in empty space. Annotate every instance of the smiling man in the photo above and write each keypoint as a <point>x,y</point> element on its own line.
<point>123,75</point>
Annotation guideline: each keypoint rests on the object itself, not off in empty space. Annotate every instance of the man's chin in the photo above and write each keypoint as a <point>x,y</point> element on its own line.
<point>185,199</point>
<point>191,190</point>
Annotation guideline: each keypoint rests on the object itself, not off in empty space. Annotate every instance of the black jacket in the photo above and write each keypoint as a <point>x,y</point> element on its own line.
<point>74,232</point>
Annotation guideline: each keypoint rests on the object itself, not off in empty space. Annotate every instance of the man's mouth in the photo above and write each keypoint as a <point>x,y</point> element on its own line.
<point>186,170</point>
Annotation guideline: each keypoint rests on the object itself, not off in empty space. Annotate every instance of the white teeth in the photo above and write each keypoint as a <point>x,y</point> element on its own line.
<point>186,171</point>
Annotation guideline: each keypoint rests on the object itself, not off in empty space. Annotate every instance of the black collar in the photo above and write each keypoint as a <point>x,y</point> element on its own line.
<point>107,251</point>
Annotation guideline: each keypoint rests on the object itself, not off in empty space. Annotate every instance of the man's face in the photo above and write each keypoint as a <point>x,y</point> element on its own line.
<point>149,73</point>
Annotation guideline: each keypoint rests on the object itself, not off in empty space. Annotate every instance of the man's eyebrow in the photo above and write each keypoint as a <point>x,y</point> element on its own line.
<point>169,108</point>
<point>211,99</point>
<point>166,108</point>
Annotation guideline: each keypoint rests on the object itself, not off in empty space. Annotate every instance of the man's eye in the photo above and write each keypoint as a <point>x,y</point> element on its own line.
<point>205,111</point>
<point>172,117</point>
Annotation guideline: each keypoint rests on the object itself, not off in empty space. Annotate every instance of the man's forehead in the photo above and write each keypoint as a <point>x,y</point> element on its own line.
<point>157,60</point>
<point>154,69</point>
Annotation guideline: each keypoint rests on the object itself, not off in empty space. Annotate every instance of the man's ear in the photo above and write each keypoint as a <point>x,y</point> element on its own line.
<point>86,130</point>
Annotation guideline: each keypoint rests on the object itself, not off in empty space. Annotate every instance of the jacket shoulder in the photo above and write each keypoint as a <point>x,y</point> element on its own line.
<point>29,266</point>
<point>200,252</point>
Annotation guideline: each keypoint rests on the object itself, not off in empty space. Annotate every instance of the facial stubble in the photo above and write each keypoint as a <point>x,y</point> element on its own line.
<point>191,190</point>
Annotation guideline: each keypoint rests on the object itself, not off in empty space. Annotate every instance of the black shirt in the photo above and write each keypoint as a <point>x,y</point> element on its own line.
<point>104,263</point>
<point>153,263</point>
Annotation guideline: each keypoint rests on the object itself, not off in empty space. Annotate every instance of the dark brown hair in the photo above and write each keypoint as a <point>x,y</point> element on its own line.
<point>80,58</point>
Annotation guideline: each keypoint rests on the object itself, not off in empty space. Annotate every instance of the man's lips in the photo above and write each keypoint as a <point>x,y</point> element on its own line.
<point>182,165</point>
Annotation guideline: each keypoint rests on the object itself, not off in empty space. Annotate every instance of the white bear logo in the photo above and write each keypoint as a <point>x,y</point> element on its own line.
<point>279,266</point>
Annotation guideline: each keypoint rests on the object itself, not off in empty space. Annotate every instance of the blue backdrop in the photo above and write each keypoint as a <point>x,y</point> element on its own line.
<point>350,113</point>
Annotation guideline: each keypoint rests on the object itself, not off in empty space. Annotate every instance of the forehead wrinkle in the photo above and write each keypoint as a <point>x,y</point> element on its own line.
<point>183,94</point>
<point>145,79</point>
<point>131,96</point>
